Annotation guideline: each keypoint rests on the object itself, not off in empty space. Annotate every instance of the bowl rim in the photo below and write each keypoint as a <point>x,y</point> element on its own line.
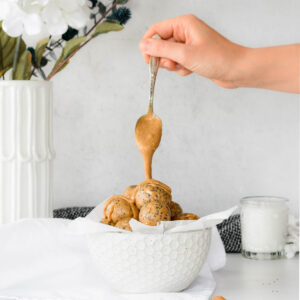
<point>153,234</point>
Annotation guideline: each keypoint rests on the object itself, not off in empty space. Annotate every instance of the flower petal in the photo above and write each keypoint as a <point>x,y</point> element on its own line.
<point>13,26</point>
<point>33,24</point>
<point>32,16</point>
<point>68,5</point>
<point>76,19</point>
<point>51,13</point>
<point>4,9</point>
<point>57,28</point>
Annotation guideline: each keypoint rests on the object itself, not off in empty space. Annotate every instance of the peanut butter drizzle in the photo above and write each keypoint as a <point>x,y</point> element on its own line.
<point>148,133</point>
<point>156,183</point>
<point>109,216</point>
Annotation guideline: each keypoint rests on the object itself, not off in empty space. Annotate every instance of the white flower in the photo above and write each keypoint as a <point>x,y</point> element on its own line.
<point>33,16</point>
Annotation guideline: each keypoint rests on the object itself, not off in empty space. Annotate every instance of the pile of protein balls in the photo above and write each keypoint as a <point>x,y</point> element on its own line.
<point>149,202</point>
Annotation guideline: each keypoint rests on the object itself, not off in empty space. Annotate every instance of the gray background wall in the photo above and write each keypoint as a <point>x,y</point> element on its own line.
<point>218,145</point>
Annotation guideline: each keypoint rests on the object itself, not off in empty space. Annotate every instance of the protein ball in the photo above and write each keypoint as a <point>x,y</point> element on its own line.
<point>129,192</point>
<point>154,211</point>
<point>124,224</point>
<point>119,207</point>
<point>186,216</point>
<point>152,190</point>
<point>105,221</point>
<point>175,209</point>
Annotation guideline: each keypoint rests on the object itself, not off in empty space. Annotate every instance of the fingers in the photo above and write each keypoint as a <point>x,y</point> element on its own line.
<point>173,27</point>
<point>170,65</point>
<point>183,72</point>
<point>171,49</point>
<point>164,62</point>
<point>176,52</point>
<point>164,29</point>
<point>225,84</point>
<point>167,63</point>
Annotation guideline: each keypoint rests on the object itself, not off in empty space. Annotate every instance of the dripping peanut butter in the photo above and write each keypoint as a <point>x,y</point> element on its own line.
<point>148,133</point>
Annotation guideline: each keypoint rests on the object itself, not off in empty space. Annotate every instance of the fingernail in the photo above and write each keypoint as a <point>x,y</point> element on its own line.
<point>144,45</point>
<point>178,66</point>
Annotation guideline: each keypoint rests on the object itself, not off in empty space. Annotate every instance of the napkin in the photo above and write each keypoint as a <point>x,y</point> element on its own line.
<point>41,260</point>
<point>91,224</point>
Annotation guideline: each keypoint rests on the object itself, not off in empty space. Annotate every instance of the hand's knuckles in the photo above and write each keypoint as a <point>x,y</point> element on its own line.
<point>190,17</point>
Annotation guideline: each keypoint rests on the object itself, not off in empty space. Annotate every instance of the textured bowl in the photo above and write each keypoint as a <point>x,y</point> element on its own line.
<point>148,263</point>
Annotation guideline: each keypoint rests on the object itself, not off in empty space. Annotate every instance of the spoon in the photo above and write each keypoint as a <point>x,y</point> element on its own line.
<point>148,129</point>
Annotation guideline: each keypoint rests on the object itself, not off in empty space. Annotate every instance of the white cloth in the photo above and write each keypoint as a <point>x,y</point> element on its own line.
<point>40,260</point>
<point>91,224</point>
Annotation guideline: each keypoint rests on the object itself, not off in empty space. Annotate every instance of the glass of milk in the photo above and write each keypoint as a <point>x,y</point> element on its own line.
<point>264,221</point>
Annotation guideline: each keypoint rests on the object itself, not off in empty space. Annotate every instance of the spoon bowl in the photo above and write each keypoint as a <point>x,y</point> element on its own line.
<point>148,131</point>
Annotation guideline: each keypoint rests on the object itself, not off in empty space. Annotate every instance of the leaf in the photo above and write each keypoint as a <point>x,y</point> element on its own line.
<point>72,45</point>
<point>39,50</point>
<point>69,48</point>
<point>109,20</point>
<point>101,8</point>
<point>106,27</point>
<point>23,69</point>
<point>42,73</point>
<point>52,54</point>
<point>7,50</point>
<point>62,67</point>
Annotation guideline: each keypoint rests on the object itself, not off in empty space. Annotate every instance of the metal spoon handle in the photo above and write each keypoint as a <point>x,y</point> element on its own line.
<point>154,65</point>
<point>153,68</point>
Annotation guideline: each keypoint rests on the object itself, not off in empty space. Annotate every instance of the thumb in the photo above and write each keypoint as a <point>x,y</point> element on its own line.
<point>167,49</point>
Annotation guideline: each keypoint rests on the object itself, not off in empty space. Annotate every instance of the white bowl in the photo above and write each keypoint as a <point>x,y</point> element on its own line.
<point>148,263</point>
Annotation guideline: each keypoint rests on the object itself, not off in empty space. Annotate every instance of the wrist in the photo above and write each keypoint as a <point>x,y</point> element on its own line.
<point>275,68</point>
<point>242,72</point>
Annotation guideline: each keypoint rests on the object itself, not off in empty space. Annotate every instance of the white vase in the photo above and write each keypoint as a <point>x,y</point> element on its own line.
<point>26,150</point>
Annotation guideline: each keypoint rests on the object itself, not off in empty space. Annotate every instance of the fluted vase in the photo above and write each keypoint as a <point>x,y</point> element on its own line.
<point>26,150</point>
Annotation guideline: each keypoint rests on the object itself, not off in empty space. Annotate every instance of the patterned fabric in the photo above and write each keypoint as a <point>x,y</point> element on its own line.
<point>230,229</point>
<point>230,232</point>
<point>72,212</point>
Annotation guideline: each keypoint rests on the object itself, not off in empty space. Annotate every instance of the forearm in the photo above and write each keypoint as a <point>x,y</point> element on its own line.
<point>274,68</point>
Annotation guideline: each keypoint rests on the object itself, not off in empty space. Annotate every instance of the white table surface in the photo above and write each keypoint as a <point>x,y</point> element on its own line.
<point>246,279</point>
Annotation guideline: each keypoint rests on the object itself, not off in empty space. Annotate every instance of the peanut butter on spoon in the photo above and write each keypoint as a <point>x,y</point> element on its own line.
<point>148,128</point>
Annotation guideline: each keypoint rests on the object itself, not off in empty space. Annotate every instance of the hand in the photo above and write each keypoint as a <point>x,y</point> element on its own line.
<point>189,45</point>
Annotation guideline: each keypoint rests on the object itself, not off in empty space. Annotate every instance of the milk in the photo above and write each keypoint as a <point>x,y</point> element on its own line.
<point>264,226</point>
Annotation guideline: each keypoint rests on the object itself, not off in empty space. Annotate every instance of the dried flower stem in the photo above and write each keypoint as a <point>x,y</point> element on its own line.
<point>60,65</point>
<point>106,13</point>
